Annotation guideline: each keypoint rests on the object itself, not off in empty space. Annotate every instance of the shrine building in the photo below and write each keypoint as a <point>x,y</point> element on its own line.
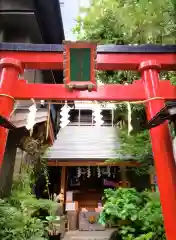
<point>79,163</point>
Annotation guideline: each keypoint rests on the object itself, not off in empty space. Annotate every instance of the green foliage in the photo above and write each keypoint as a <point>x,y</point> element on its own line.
<point>147,236</point>
<point>137,145</point>
<point>151,217</point>
<point>22,197</point>
<point>122,204</point>
<point>120,77</point>
<point>138,215</point>
<point>127,22</point>
<point>18,225</point>
<point>20,214</point>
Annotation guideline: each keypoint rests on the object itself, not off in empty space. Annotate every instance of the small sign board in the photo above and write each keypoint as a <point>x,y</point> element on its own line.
<point>71,206</point>
<point>79,65</point>
<point>69,196</point>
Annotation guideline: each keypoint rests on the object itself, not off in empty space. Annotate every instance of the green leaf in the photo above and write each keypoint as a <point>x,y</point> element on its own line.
<point>133,217</point>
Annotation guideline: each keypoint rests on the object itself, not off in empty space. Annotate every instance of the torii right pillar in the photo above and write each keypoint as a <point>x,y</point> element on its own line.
<point>162,148</point>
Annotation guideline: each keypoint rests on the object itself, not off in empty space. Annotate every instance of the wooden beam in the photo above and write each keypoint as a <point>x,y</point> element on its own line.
<point>123,171</point>
<point>71,163</point>
<point>152,182</point>
<point>51,133</point>
<point>63,183</point>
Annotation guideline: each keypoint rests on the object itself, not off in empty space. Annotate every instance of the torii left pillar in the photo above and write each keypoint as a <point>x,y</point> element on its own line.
<point>10,69</point>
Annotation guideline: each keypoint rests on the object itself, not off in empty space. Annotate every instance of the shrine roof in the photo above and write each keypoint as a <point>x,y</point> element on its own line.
<point>19,117</point>
<point>109,48</point>
<point>86,142</point>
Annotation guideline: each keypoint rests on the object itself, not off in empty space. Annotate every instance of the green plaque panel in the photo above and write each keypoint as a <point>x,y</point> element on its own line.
<point>80,64</point>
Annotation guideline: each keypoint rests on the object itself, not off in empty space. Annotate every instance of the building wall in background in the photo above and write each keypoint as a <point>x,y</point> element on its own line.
<point>16,4</point>
<point>18,24</point>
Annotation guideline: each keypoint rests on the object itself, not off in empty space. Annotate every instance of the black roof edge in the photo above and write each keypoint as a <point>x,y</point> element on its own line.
<point>100,48</point>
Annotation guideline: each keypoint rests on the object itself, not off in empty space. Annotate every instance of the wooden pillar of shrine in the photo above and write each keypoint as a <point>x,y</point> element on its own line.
<point>63,184</point>
<point>124,182</point>
<point>152,182</point>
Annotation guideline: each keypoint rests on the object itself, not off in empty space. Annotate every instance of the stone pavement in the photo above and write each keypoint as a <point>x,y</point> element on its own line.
<point>88,235</point>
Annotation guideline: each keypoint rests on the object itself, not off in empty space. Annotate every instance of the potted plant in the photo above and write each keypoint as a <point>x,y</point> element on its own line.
<point>53,227</point>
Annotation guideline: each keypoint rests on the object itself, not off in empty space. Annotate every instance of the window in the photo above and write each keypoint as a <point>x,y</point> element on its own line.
<point>86,117</point>
<point>74,117</point>
<point>80,117</point>
<point>107,117</point>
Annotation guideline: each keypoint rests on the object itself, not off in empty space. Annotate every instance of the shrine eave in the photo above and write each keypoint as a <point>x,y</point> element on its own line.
<point>91,162</point>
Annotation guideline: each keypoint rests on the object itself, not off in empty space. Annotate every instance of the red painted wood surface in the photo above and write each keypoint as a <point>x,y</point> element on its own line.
<point>105,61</point>
<point>9,73</point>
<point>162,148</point>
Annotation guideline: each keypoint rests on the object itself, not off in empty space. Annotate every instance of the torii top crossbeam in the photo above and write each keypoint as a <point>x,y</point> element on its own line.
<point>148,59</point>
<point>40,56</point>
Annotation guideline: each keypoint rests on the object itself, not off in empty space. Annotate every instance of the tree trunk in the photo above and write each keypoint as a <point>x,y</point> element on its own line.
<point>7,169</point>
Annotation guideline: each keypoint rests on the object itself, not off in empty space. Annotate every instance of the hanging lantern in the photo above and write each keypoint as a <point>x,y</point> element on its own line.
<point>109,171</point>
<point>42,102</point>
<point>64,120</point>
<point>114,173</point>
<point>31,117</point>
<point>88,172</point>
<point>78,172</point>
<point>97,114</point>
<point>98,172</point>
<point>130,127</point>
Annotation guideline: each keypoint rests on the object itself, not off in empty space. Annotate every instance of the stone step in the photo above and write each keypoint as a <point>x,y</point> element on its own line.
<point>88,238</point>
<point>88,235</point>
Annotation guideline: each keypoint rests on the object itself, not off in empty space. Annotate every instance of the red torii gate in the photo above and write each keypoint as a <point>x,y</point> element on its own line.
<point>149,60</point>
